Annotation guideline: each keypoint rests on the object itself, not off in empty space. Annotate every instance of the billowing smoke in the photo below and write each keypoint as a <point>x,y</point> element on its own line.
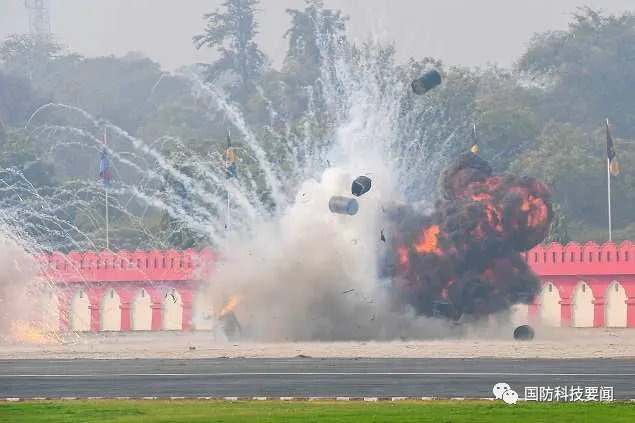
<point>28,305</point>
<point>464,259</point>
<point>313,275</point>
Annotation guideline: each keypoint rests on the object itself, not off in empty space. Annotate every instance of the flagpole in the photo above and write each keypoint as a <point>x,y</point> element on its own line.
<point>106,195</point>
<point>474,146</point>
<point>107,220</point>
<point>227,219</point>
<point>608,186</point>
<point>608,183</point>
<point>227,164</point>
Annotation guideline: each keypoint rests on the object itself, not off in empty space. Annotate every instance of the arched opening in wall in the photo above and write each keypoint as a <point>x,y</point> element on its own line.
<point>202,309</point>
<point>550,305</point>
<point>615,307</point>
<point>50,310</point>
<point>583,311</point>
<point>79,318</point>
<point>172,310</point>
<point>111,311</point>
<point>142,311</point>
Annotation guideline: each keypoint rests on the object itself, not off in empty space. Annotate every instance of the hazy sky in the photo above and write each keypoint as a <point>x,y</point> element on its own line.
<point>468,32</point>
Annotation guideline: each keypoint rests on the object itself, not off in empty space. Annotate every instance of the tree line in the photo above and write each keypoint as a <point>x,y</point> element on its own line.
<point>543,117</point>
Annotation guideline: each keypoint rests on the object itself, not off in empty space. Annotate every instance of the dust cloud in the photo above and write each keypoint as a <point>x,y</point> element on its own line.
<point>28,303</point>
<point>313,275</point>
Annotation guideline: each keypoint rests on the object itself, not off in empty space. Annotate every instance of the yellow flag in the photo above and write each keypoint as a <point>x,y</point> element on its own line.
<point>614,167</point>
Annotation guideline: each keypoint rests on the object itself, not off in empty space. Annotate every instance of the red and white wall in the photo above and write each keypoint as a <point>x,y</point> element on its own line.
<point>584,286</point>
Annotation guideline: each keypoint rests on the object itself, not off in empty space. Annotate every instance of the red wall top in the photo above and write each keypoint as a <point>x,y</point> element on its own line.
<point>574,259</point>
<point>125,266</point>
<point>550,260</point>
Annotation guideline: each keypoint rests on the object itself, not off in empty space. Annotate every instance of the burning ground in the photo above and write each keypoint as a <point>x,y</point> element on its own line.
<point>465,259</point>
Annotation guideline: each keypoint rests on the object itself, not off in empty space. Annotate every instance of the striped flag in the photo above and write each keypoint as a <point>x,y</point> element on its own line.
<point>611,156</point>
<point>230,159</point>
<point>104,165</point>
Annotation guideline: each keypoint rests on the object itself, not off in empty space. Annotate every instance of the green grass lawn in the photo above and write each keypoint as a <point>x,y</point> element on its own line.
<point>192,411</point>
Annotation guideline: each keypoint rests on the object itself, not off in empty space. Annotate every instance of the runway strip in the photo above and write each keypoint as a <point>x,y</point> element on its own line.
<point>307,377</point>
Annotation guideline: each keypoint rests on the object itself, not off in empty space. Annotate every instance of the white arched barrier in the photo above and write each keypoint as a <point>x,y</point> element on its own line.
<point>50,309</point>
<point>111,311</point>
<point>582,310</point>
<point>550,305</point>
<point>172,310</point>
<point>615,308</point>
<point>80,312</point>
<point>202,308</point>
<point>141,309</point>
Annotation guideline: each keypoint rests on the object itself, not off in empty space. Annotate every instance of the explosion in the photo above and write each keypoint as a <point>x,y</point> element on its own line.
<point>311,275</point>
<point>229,307</point>
<point>465,259</point>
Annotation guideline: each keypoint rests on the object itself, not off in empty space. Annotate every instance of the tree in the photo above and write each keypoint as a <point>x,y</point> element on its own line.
<point>558,230</point>
<point>435,128</point>
<point>572,163</point>
<point>174,229</point>
<point>28,55</point>
<point>17,99</point>
<point>21,162</point>
<point>587,70</point>
<point>507,117</point>
<point>233,35</point>
<point>314,34</point>
<point>124,92</point>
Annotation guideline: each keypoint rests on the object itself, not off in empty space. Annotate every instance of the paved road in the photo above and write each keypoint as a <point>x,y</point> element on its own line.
<point>306,377</point>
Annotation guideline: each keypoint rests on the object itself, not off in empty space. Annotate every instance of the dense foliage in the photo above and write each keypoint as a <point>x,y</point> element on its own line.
<point>543,118</point>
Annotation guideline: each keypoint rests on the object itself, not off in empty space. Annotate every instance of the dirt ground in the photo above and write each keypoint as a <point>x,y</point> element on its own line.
<point>549,343</point>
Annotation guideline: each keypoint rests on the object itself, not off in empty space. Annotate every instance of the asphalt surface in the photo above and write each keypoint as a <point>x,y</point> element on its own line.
<point>469,378</point>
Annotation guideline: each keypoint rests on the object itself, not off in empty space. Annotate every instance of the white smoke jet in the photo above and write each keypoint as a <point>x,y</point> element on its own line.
<point>309,274</point>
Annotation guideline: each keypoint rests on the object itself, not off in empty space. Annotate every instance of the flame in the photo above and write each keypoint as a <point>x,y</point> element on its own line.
<point>230,306</point>
<point>428,241</point>
<point>474,149</point>
<point>473,241</point>
<point>403,256</point>
<point>25,333</point>
<point>444,292</point>
<point>614,167</point>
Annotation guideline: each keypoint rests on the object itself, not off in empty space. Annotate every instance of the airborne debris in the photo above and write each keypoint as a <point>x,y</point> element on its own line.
<point>382,237</point>
<point>426,82</point>
<point>524,333</point>
<point>343,205</point>
<point>361,185</point>
<point>348,290</point>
